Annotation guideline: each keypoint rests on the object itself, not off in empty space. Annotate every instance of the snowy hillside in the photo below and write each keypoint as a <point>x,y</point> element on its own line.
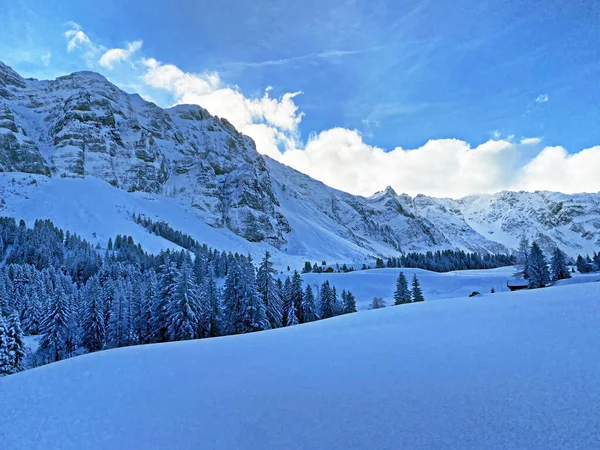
<point>509,370</point>
<point>199,166</point>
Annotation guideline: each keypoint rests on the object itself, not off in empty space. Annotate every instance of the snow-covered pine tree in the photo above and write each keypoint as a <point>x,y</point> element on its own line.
<point>210,297</point>
<point>297,295</point>
<point>402,293</point>
<point>168,273</point>
<point>5,366</point>
<point>255,317</point>
<point>269,292</point>
<point>33,313</point>
<point>538,268</point>
<point>417,293</point>
<point>184,313</point>
<point>558,265</point>
<point>92,326</point>
<point>327,305</point>
<point>292,316</point>
<point>309,308</point>
<point>348,302</point>
<point>55,329</point>
<point>15,344</point>
<point>118,331</point>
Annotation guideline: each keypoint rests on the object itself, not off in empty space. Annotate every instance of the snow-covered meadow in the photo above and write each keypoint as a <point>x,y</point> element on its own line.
<point>509,370</point>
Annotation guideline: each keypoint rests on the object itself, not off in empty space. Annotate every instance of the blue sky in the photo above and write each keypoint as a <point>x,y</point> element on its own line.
<point>400,73</point>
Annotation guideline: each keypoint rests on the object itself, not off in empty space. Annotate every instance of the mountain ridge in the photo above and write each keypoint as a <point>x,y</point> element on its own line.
<point>81,125</point>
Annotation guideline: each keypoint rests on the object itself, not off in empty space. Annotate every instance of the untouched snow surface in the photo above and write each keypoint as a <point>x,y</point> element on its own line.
<point>509,370</point>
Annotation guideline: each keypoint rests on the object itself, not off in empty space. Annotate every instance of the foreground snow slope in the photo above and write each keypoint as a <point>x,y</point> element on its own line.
<point>510,370</point>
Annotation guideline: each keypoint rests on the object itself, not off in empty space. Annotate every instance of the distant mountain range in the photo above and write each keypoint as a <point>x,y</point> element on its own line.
<point>81,126</point>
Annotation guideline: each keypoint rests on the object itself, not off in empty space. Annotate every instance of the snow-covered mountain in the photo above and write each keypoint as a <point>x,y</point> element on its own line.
<point>82,126</point>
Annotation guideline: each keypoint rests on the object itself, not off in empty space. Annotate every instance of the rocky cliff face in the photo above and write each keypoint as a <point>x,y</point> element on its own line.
<point>81,125</point>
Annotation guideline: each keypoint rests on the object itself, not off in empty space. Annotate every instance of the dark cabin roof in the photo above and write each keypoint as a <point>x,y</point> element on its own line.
<point>517,282</point>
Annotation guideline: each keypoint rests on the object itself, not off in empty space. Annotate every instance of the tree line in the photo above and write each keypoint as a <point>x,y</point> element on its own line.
<point>79,299</point>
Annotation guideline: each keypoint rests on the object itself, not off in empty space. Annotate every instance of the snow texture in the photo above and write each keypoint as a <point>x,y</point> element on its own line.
<point>508,370</point>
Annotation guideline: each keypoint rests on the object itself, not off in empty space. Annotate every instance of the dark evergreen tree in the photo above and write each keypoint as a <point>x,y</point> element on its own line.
<point>309,308</point>
<point>327,303</point>
<point>583,266</point>
<point>55,329</point>
<point>402,293</point>
<point>417,293</point>
<point>538,268</point>
<point>297,295</point>
<point>184,313</point>
<point>348,302</point>
<point>93,337</point>
<point>15,344</point>
<point>558,265</point>
<point>269,292</point>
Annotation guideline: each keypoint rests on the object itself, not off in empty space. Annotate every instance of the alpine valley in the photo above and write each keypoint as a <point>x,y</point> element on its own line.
<point>85,154</point>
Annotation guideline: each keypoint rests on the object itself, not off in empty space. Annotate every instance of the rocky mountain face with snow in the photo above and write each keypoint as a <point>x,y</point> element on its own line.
<point>81,125</point>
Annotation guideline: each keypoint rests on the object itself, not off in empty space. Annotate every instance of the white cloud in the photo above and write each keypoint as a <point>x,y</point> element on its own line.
<point>531,141</point>
<point>271,122</point>
<point>553,169</point>
<point>542,98</point>
<point>76,37</point>
<point>114,55</point>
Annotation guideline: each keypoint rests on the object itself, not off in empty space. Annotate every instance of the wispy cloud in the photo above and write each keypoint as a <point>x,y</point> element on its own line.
<point>542,98</point>
<point>114,55</point>
<point>329,55</point>
<point>531,141</point>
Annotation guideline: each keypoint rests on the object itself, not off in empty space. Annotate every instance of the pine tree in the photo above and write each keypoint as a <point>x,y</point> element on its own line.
<point>326,301</point>
<point>93,330</point>
<point>348,302</point>
<point>211,299</point>
<point>558,266</point>
<point>402,294</point>
<point>5,360</point>
<point>309,309</point>
<point>269,292</point>
<point>493,291</point>
<point>167,276</point>
<point>184,313</point>
<point>15,344</point>
<point>417,293</point>
<point>55,329</point>
<point>33,314</point>
<point>118,331</point>
<point>296,295</point>
<point>538,268</point>
<point>292,317</point>
<point>583,266</point>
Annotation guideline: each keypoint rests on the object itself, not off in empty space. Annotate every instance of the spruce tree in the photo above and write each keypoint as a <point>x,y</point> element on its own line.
<point>296,295</point>
<point>15,344</point>
<point>309,309</point>
<point>348,302</point>
<point>558,266</point>
<point>402,294</point>
<point>211,298</point>
<point>168,273</point>
<point>292,316</point>
<point>55,329</point>
<point>417,293</point>
<point>184,313</point>
<point>327,303</point>
<point>93,330</point>
<point>538,268</point>
<point>583,266</point>
<point>5,360</point>
<point>269,292</point>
